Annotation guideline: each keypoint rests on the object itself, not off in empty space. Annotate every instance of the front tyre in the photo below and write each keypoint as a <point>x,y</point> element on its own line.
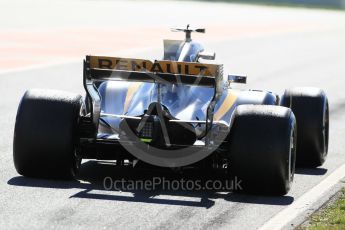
<point>310,106</point>
<point>45,134</point>
<point>262,149</point>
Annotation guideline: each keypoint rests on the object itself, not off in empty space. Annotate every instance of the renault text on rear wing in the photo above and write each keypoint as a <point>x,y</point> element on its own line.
<point>115,68</point>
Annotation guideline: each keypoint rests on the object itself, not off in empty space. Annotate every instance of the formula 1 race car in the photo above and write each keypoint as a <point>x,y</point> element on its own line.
<point>174,112</point>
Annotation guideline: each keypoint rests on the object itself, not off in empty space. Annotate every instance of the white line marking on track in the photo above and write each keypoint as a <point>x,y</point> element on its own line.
<point>303,203</point>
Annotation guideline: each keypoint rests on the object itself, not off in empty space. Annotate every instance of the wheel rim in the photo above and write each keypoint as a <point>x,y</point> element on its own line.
<point>292,154</point>
<point>326,129</point>
<point>76,164</point>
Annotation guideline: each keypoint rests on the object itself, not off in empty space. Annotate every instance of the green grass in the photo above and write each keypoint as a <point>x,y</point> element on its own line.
<point>332,217</point>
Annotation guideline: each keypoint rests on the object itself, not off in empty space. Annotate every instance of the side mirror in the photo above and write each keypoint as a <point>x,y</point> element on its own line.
<point>237,79</point>
<point>200,30</point>
<point>207,55</point>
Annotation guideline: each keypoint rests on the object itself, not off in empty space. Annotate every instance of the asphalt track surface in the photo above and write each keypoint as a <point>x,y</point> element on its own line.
<point>277,48</point>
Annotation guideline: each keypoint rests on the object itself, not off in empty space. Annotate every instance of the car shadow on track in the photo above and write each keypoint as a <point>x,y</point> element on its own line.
<point>311,171</point>
<point>93,185</point>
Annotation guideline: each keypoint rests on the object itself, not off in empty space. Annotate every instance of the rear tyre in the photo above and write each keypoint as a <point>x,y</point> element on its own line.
<point>310,106</point>
<point>45,134</point>
<point>262,149</point>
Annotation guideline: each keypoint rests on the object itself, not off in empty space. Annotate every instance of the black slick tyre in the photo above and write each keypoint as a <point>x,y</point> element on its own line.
<point>45,134</point>
<point>310,106</point>
<point>262,149</point>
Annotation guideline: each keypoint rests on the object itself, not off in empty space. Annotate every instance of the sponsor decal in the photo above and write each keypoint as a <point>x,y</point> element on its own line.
<point>130,64</point>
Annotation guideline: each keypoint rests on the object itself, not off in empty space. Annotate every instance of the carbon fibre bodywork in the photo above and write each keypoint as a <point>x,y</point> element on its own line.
<point>183,102</point>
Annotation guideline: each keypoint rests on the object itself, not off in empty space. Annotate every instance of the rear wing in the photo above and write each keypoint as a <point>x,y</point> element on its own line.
<point>115,68</point>
<point>99,68</point>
